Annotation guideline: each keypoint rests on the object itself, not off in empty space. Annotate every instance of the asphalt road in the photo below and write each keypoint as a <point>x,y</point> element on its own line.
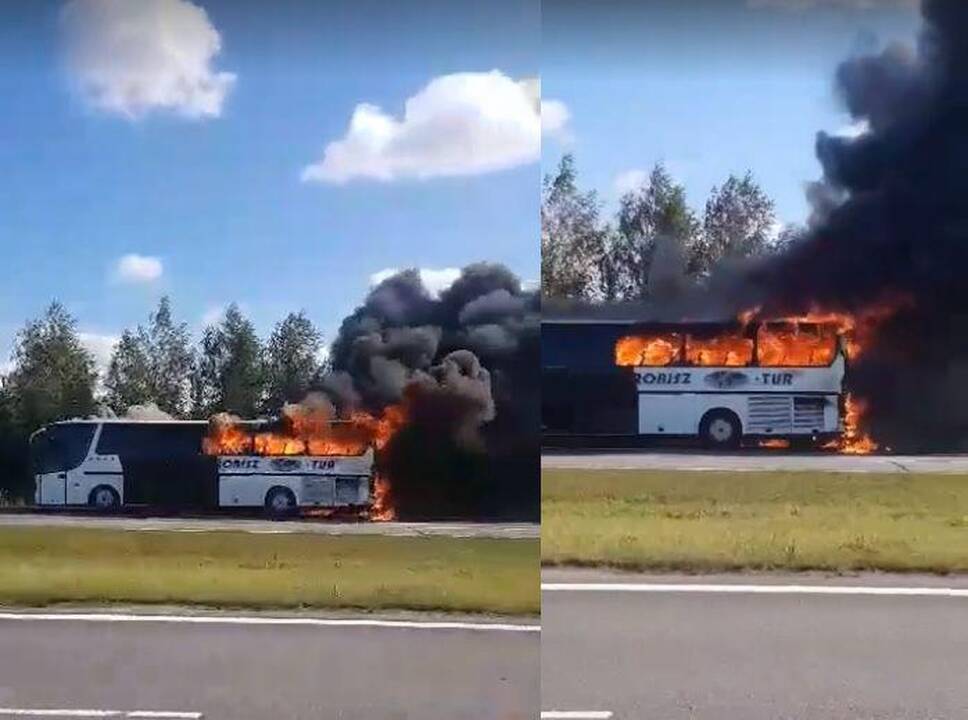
<point>321,527</point>
<point>236,671</point>
<point>754,460</point>
<point>800,654</point>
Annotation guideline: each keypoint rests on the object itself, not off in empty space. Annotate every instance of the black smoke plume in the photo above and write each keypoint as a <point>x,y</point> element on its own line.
<point>465,365</point>
<point>892,221</point>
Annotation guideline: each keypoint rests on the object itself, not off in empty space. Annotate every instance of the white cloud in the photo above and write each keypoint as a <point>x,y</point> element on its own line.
<point>130,57</point>
<point>101,347</point>
<point>462,124</point>
<point>435,280</point>
<point>629,180</point>
<point>554,118</point>
<point>134,268</point>
<point>213,315</point>
<point>854,130</point>
<point>852,4</point>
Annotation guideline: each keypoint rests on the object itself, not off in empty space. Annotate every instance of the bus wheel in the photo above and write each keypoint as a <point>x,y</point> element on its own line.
<point>280,502</point>
<point>104,498</point>
<point>720,429</point>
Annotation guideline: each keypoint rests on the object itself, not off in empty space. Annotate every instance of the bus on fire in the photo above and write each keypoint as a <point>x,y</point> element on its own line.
<point>109,464</point>
<point>719,382</point>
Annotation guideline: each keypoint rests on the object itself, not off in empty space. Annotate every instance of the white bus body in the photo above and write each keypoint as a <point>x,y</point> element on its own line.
<point>723,404</point>
<point>768,402</point>
<point>112,463</point>
<point>327,482</point>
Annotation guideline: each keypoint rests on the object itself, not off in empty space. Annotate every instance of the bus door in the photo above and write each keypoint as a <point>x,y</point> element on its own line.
<point>58,454</point>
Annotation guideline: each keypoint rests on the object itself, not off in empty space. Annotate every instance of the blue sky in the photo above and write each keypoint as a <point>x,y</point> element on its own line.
<point>710,87</point>
<point>104,155</point>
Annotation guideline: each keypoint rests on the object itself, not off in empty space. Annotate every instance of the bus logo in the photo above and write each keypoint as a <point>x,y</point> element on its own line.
<point>285,464</point>
<point>723,379</point>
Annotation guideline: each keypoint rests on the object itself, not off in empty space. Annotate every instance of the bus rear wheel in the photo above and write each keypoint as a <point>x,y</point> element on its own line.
<point>280,502</point>
<point>104,498</point>
<point>720,430</point>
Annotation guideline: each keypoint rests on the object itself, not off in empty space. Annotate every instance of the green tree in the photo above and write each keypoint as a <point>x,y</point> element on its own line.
<point>229,373</point>
<point>14,476</point>
<point>738,222</point>
<point>54,375</point>
<point>572,238</point>
<point>152,364</point>
<point>653,216</point>
<point>291,361</point>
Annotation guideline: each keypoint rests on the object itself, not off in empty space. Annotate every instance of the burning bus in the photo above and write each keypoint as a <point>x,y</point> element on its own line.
<point>720,382</point>
<point>189,465</point>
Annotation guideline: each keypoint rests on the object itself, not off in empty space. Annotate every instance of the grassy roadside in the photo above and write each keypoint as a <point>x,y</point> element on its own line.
<point>708,521</point>
<point>41,566</point>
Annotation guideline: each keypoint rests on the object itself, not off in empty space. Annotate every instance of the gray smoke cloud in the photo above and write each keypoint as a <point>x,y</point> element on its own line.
<point>466,366</point>
<point>401,332</point>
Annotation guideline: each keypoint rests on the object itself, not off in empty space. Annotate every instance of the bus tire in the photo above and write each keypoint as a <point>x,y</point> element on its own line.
<point>720,429</point>
<point>280,502</point>
<point>104,498</point>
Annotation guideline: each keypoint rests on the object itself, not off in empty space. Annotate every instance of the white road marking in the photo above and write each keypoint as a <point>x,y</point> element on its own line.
<point>758,589</point>
<point>576,714</point>
<point>77,713</point>
<point>256,620</point>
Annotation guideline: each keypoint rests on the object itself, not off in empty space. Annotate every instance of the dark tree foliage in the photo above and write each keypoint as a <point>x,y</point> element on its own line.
<point>291,361</point>
<point>229,374</point>
<point>53,378</point>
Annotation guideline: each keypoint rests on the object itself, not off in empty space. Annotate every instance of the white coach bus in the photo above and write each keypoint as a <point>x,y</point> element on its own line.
<point>108,464</point>
<point>724,383</point>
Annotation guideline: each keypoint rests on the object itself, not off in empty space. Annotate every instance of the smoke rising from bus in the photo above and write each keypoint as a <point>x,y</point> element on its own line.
<point>463,369</point>
<point>887,243</point>
<point>444,388</point>
<point>896,235</point>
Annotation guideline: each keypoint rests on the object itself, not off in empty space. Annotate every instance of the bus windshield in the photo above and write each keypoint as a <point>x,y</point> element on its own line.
<point>59,448</point>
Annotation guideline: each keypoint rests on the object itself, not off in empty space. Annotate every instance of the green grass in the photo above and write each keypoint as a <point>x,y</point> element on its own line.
<point>41,566</point>
<point>708,521</point>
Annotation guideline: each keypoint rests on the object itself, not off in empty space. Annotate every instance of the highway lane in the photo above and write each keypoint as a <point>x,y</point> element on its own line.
<point>753,460</point>
<point>256,526</point>
<point>744,655</point>
<point>233,670</point>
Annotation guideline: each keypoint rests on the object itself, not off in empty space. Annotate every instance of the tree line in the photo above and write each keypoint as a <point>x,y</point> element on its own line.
<point>54,377</point>
<point>654,242</point>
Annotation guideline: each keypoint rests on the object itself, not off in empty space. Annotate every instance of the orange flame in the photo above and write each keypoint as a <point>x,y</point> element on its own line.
<point>655,350</point>
<point>793,345</point>
<point>854,441</point>
<point>729,350</point>
<point>225,437</point>
<point>774,443</point>
<point>382,509</point>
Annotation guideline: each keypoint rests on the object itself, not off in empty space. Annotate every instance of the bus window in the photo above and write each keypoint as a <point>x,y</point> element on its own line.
<point>655,350</point>
<point>150,440</point>
<point>60,448</point>
<point>725,350</point>
<point>795,345</point>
